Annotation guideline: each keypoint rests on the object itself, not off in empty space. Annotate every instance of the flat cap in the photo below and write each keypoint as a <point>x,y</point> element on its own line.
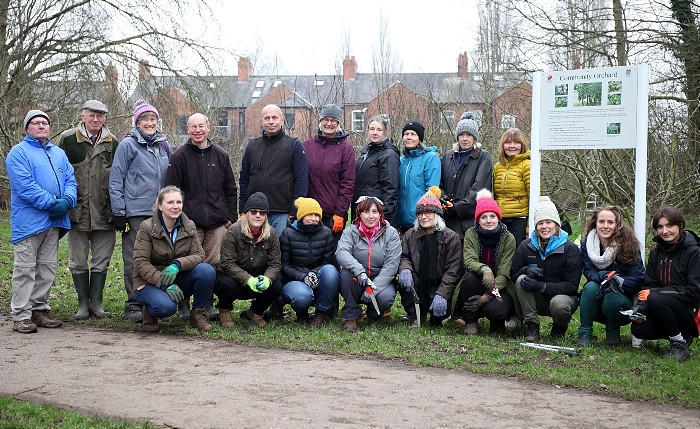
<point>95,106</point>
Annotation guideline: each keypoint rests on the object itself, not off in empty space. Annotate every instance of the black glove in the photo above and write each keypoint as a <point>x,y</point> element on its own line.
<point>534,272</point>
<point>363,280</point>
<point>615,283</point>
<point>120,223</point>
<point>532,285</point>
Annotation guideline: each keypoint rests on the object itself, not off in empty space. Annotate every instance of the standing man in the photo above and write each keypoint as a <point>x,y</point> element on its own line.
<point>203,172</point>
<point>138,173</point>
<point>276,165</point>
<point>43,190</point>
<point>90,148</point>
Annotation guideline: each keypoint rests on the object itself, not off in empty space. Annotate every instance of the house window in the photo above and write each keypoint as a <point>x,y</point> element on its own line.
<point>289,120</point>
<point>260,84</point>
<point>241,123</point>
<point>447,121</point>
<point>318,82</point>
<point>507,121</point>
<point>222,124</point>
<point>182,124</point>
<point>358,120</point>
<point>256,93</point>
<point>276,84</point>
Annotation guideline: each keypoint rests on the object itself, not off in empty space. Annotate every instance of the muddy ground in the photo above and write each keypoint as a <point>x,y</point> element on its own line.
<point>184,382</point>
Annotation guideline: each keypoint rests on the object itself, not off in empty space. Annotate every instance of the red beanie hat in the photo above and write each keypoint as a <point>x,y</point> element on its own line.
<point>485,203</point>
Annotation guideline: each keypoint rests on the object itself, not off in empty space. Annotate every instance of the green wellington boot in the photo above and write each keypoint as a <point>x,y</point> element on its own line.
<point>97,286</point>
<point>82,287</point>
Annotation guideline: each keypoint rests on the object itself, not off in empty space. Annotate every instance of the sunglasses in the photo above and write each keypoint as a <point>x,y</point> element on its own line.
<point>255,212</point>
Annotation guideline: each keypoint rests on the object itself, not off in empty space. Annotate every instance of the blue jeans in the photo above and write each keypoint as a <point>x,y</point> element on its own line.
<point>198,282</point>
<point>278,221</point>
<point>300,296</point>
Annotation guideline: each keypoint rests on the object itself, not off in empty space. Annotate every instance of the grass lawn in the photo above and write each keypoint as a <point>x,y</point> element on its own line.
<point>637,374</point>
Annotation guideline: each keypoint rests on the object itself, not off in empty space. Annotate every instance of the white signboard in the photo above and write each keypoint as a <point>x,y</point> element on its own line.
<point>589,109</point>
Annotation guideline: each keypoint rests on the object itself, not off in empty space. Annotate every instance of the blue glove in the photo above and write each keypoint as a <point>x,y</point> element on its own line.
<point>439,306</point>
<point>363,280</point>
<point>175,293</point>
<point>534,272</point>
<point>406,279</point>
<point>366,298</point>
<point>168,275</point>
<point>532,285</point>
<point>59,207</point>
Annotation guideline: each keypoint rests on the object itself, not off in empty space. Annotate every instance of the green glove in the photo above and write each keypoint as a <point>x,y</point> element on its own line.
<point>252,283</point>
<point>264,283</point>
<point>175,293</point>
<point>167,276</point>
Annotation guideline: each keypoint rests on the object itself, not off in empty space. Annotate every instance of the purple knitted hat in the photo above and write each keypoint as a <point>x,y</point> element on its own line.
<point>141,107</point>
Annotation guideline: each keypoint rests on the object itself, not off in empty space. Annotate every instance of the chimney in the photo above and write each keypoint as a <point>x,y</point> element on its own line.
<point>245,69</point>
<point>349,67</point>
<point>144,70</point>
<point>462,65</point>
<point>112,76</point>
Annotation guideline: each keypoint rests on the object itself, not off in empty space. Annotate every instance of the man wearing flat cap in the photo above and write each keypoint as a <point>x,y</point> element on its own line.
<point>90,148</point>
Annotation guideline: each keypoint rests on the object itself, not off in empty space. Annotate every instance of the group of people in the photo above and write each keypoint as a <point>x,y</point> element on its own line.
<point>448,233</point>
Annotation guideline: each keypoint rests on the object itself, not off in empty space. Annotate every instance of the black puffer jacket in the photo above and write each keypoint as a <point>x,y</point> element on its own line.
<point>305,248</point>
<point>377,175</point>
<point>676,268</point>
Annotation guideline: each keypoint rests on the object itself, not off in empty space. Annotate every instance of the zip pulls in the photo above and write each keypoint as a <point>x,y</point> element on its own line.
<point>58,182</point>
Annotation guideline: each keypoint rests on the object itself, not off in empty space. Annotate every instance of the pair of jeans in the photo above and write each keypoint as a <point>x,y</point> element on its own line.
<point>300,296</point>
<point>278,221</point>
<point>606,311</point>
<point>198,282</point>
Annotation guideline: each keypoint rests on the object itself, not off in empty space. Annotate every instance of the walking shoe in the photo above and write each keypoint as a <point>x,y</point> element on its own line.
<point>199,319</point>
<point>276,310</point>
<point>350,325</point>
<point>319,318</point>
<point>225,319</point>
<point>679,350</point>
<point>584,336</point>
<point>533,332</point>
<point>150,323</point>
<point>636,342</point>
<point>257,319</point>
<point>133,315</point>
<point>612,337</point>
<point>471,329</point>
<point>24,326</point>
<point>558,331</point>
<point>41,318</point>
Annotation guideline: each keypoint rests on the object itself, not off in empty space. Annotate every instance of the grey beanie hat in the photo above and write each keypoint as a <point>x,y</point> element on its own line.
<point>546,210</point>
<point>33,114</point>
<point>467,124</point>
<point>331,111</point>
<point>257,201</point>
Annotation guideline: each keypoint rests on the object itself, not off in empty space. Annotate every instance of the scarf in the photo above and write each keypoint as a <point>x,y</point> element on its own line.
<point>593,246</point>
<point>368,232</point>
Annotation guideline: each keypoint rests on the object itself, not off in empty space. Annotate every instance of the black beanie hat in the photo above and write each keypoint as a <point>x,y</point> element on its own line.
<point>257,201</point>
<point>415,126</point>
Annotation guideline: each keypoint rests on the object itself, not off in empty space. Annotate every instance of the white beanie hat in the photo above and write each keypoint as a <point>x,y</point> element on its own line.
<point>546,210</point>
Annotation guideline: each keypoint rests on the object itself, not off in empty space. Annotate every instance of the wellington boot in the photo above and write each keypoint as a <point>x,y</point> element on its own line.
<point>199,320</point>
<point>82,287</point>
<point>225,319</point>
<point>97,287</point>
<point>183,309</point>
<point>209,309</point>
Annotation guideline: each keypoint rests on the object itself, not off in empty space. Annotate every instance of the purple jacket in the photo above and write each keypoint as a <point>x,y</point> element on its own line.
<point>331,173</point>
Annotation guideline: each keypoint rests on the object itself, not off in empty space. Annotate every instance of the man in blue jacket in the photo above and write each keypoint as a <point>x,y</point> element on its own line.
<point>43,190</point>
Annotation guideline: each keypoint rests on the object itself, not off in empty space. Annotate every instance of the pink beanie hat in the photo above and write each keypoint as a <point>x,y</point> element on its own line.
<point>485,203</point>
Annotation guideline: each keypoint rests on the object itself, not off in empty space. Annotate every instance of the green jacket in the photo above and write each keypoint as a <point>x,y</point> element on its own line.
<point>92,164</point>
<point>504,258</point>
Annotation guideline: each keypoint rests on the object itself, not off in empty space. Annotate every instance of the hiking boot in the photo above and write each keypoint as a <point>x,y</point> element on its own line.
<point>679,350</point>
<point>199,319</point>
<point>584,336</point>
<point>558,331</point>
<point>350,325</point>
<point>303,317</point>
<point>41,318</point>
<point>319,318</point>
<point>150,323</point>
<point>471,329</point>
<point>612,337</point>
<point>276,310</point>
<point>533,332</point>
<point>257,319</point>
<point>387,314</point>
<point>133,315</point>
<point>497,327</point>
<point>82,288</point>
<point>225,319</point>
<point>24,326</point>
<point>183,310</point>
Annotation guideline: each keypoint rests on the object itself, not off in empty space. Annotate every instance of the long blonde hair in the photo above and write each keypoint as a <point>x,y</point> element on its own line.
<point>511,135</point>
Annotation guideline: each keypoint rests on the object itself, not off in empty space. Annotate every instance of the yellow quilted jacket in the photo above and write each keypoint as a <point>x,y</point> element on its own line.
<point>511,185</point>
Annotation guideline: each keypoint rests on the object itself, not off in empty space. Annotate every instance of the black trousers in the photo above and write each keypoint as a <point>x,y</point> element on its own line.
<point>229,290</point>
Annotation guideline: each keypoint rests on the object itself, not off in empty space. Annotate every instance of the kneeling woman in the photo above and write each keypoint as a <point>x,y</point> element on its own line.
<point>431,262</point>
<point>249,264</point>
<point>369,251</point>
<point>670,294</point>
<point>609,251</point>
<point>486,289</point>
<point>168,264</point>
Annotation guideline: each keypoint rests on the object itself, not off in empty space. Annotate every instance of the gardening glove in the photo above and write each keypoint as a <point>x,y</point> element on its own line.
<point>366,298</point>
<point>439,306</point>
<point>120,224</point>
<point>338,223</point>
<point>59,207</point>
<point>534,272</point>
<point>263,283</point>
<point>175,293</point>
<point>487,278</point>
<point>643,295</point>
<point>406,279</point>
<point>532,285</point>
<point>603,274</point>
<point>252,283</point>
<point>449,209</point>
<point>615,283</point>
<point>475,302</point>
<point>363,280</point>
<point>311,280</point>
<point>167,276</point>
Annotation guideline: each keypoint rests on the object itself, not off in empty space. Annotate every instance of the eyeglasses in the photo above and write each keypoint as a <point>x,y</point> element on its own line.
<point>423,214</point>
<point>255,212</point>
<point>330,120</point>
<point>39,123</point>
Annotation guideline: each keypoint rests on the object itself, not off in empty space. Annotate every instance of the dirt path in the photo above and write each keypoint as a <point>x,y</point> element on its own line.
<point>185,382</point>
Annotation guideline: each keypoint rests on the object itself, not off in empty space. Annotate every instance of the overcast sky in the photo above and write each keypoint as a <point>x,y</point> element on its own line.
<point>307,36</point>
